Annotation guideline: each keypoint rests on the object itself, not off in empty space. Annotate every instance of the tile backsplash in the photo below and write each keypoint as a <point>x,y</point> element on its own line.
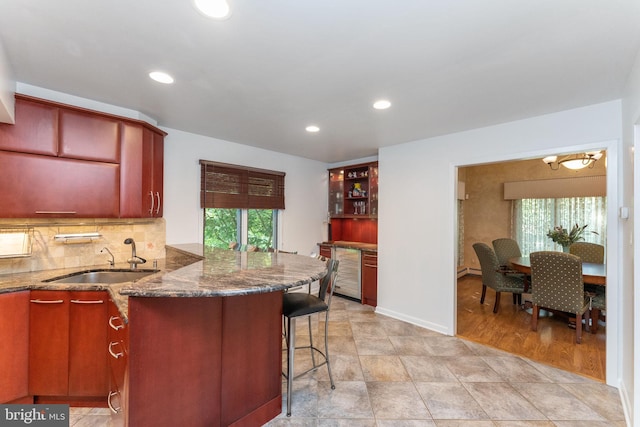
<point>48,253</point>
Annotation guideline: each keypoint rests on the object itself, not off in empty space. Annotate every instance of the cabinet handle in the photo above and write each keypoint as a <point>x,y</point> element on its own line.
<point>158,207</point>
<point>79,301</point>
<point>115,327</point>
<point>115,410</point>
<point>371,265</point>
<point>115,355</point>
<point>56,212</point>
<point>152,202</point>
<point>47,301</point>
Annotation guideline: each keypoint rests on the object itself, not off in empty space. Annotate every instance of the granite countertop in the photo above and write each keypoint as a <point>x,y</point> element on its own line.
<point>188,271</point>
<point>372,247</point>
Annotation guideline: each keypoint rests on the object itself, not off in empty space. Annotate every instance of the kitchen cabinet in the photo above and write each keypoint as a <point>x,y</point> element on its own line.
<point>88,363</point>
<point>142,162</point>
<point>35,130</point>
<point>353,191</point>
<point>325,251</point>
<point>369,275</point>
<point>61,161</point>
<point>14,358</point>
<point>67,342</point>
<point>336,192</point>
<point>88,136</point>
<point>118,350</point>
<point>48,187</point>
<point>49,343</point>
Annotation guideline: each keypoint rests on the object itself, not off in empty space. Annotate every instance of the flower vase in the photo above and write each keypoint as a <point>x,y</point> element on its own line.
<point>565,249</point>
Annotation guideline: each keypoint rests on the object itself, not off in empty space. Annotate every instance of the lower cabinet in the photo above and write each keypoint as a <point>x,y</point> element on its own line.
<point>369,277</point>
<point>118,351</point>
<point>14,336</point>
<point>67,338</point>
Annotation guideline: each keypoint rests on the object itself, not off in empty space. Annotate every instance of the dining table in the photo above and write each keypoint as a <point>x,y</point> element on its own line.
<point>593,274</point>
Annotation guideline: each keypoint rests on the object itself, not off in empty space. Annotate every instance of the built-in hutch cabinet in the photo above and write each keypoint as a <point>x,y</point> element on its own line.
<point>353,191</point>
<point>61,161</point>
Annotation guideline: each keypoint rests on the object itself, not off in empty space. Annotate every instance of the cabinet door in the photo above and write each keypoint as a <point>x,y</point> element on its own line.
<point>336,192</point>
<point>89,136</point>
<point>157,159</point>
<point>49,343</point>
<point>41,186</point>
<point>141,183</point>
<point>14,333</point>
<point>370,278</point>
<point>35,130</point>
<point>88,363</point>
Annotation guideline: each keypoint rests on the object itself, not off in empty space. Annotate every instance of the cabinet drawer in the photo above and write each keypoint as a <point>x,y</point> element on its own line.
<point>369,259</point>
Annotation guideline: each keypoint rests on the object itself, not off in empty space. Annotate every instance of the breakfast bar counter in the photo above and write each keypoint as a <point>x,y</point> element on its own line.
<point>205,343</point>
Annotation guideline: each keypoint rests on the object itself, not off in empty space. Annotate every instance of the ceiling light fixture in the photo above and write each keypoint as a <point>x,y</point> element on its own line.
<point>216,9</point>
<point>312,128</point>
<point>574,161</point>
<point>161,77</point>
<point>381,104</point>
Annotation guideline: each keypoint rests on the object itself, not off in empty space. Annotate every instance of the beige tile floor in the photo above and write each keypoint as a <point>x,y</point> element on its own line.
<point>391,373</point>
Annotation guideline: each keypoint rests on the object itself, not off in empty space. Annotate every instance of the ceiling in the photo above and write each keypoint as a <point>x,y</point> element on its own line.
<point>274,67</point>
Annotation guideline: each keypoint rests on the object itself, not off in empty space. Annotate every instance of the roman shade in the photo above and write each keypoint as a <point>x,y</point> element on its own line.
<point>230,186</point>
<point>587,186</point>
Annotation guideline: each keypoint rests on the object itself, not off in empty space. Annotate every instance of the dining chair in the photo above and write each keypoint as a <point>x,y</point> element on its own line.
<point>493,278</point>
<point>588,252</point>
<point>506,248</point>
<point>297,305</point>
<point>556,282</point>
<point>597,305</point>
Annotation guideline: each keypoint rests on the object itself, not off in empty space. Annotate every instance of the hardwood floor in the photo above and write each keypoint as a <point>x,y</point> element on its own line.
<point>510,330</point>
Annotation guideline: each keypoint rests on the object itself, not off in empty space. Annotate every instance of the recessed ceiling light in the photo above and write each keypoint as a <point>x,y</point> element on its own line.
<point>161,77</point>
<point>216,9</point>
<point>381,104</point>
<point>312,128</point>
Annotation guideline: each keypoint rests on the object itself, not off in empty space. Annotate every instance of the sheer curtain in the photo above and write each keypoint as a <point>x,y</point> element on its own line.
<point>533,218</point>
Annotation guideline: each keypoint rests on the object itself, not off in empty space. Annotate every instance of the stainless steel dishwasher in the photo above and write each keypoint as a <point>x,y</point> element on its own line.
<point>348,281</point>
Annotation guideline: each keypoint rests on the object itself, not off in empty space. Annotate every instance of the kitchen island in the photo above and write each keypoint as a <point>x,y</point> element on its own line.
<point>198,344</point>
<point>205,343</point>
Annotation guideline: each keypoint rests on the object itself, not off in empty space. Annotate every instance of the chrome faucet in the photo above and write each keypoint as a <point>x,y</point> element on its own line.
<point>112,261</point>
<point>134,260</point>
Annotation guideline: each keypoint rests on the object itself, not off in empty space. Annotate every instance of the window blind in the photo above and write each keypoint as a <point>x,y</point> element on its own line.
<point>239,187</point>
<point>586,186</point>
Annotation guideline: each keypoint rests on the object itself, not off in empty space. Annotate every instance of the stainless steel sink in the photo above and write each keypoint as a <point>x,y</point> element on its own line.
<point>102,276</point>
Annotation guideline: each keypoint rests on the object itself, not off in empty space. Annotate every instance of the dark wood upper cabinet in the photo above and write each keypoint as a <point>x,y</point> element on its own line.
<point>33,186</point>
<point>89,136</point>
<point>142,162</point>
<point>61,161</point>
<point>35,130</point>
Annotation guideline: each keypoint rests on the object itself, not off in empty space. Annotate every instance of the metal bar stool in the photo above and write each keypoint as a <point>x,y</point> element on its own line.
<point>298,305</point>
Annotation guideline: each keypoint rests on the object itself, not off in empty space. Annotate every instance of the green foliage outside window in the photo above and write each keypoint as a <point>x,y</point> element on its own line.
<point>260,228</point>
<point>221,226</point>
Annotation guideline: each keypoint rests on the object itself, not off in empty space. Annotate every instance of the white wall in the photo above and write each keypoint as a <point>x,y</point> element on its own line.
<point>630,323</point>
<point>417,217</point>
<point>303,220</point>
<point>7,88</point>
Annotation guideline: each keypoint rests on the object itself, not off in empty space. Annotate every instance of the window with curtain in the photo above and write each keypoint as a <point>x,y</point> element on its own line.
<point>240,204</point>
<point>533,218</point>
